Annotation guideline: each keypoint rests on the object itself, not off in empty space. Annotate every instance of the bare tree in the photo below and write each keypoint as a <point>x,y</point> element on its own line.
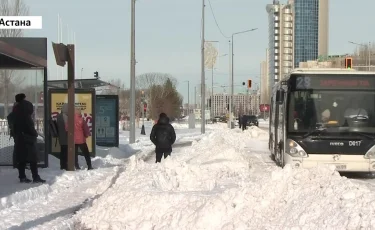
<point>13,8</point>
<point>153,86</point>
<point>10,8</point>
<point>147,80</point>
<point>361,56</point>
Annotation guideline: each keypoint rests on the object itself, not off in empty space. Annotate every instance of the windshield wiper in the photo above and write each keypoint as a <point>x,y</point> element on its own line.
<point>318,130</point>
<point>362,134</point>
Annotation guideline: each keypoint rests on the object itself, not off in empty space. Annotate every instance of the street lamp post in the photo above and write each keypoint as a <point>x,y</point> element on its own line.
<point>232,77</point>
<point>368,51</point>
<point>203,80</point>
<point>132,75</point>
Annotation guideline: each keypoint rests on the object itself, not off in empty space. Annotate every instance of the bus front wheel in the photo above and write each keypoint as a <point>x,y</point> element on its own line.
<point>280,158</point>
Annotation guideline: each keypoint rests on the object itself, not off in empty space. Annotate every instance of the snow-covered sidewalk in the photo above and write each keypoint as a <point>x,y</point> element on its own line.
<point>50,205</point>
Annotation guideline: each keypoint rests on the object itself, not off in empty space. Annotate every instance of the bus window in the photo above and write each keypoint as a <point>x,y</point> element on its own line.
<point>312,109</point>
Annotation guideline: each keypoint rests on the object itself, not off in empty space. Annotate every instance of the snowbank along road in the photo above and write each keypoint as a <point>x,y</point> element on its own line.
<point>226,181</point>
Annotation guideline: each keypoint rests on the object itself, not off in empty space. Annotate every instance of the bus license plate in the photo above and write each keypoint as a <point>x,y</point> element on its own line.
<point>340,167</point>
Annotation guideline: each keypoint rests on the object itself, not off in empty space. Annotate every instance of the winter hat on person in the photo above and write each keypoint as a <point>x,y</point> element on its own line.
<point>19,97</point>
<point>163,115</point>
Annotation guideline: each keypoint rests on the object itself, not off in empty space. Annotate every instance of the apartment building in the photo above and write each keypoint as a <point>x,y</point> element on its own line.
<point>280,47</point>
<point>242,103</point>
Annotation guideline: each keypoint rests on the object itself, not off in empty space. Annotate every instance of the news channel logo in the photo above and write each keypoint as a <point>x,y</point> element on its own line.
<point>20,22</point>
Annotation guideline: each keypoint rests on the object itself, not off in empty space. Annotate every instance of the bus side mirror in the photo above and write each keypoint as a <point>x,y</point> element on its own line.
<point>280,96</point>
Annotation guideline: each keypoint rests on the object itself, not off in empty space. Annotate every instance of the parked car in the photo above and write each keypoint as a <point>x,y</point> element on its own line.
<point>252,120</point>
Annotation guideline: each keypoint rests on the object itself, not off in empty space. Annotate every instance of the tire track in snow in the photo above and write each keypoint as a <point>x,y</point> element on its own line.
<point>58,215</point>
<point>66,219</point>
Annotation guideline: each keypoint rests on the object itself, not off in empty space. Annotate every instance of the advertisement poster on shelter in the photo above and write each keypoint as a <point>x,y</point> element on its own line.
<point>107,126</point>
<point>84,102</point>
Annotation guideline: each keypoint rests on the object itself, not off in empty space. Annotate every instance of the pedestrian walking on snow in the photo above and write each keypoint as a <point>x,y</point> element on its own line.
<point>163,136</point>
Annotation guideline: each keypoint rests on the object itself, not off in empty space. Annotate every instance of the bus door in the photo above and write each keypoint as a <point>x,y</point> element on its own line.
<point>279,119</point>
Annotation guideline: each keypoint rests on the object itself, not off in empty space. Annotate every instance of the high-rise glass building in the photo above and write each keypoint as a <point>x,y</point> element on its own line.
<point>280,47</point>
<point>310,30</point>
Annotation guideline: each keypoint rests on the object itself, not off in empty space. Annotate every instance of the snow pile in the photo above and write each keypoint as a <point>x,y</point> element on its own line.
<point>181,125</point>
<point>215,185</point>
<point>168,194</point>
<point>255,132</point>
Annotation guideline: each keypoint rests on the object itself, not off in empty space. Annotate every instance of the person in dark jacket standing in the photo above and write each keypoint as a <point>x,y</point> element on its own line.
<point>10,118</point>
<point>163,136</point>
<point>62,122</point>
<point>25,137</point>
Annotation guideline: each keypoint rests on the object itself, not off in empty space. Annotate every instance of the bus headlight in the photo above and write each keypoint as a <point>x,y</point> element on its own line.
<point>370,153</point>
<point>294,149</point>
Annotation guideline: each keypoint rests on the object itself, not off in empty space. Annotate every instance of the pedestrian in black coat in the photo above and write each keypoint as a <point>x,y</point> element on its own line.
<point>163,136</point>
<point>19,97</point>
<point>25,137</point>
<point>244,122</point>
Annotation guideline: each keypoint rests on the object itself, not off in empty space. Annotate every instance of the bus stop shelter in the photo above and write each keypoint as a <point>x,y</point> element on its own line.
<point>23,69</point>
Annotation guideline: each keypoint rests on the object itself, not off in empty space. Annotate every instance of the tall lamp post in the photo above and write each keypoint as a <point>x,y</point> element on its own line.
<point>203,81</point>
<point>232,77</point>
<point>188,108</point>
<point>132,75</point>
<point>368,51</point>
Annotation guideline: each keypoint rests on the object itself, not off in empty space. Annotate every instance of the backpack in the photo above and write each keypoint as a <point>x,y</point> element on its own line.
<point>53,129</point>
<point>162,137</point>
<point>10,119</point>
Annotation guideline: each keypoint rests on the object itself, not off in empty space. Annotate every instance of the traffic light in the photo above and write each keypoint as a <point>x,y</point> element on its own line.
<point>145,107</point>
<point>209,102</point>
<point>348,62</point>
<point>249,84</point>
<point>96,74</point>
<point>243,83</point>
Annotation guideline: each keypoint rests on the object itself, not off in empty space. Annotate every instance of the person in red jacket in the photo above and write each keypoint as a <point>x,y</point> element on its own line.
<point>81,132</point>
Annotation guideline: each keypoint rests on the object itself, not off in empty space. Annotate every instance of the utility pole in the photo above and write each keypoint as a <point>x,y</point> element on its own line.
<point>132,75</point>
<point>203,83</point>
<point>232,77</point>
<point>230,80</point>
<point>212,91</point>
<point>231,89</point>
<point>66,54</point>
<point>188,97</point>
<point>369,56</point>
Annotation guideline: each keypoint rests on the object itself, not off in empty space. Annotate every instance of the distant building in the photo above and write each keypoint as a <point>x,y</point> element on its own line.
<point>298,32</point>
<point>242,104</point>
<point>265,87</point>
<point>280,38</point>
<point>311,28</point>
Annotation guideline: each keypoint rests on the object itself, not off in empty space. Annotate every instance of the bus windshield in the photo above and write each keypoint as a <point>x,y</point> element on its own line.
<point>334,109</point>
<point>337,109</point>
